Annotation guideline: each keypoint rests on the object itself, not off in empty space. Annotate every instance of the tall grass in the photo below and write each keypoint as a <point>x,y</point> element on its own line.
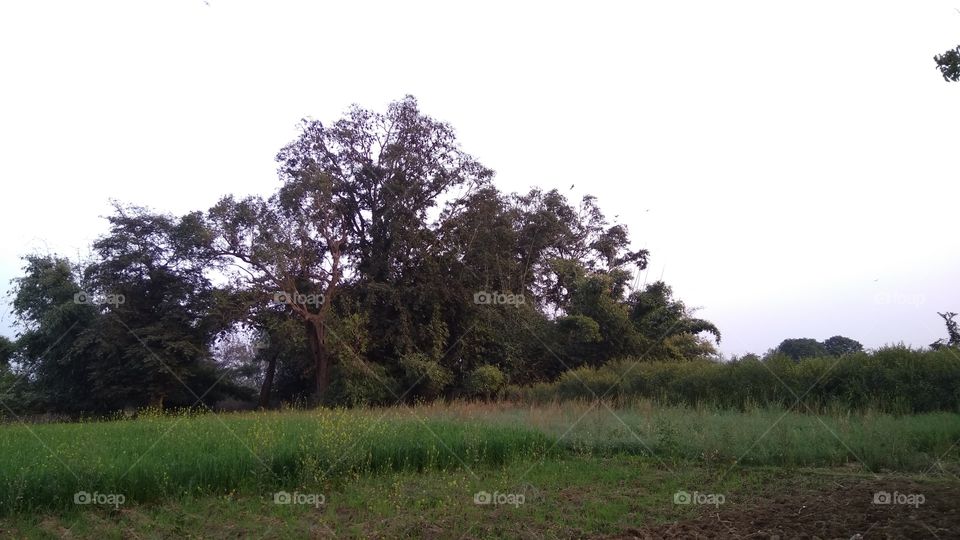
<point>895,379</point>
<point>715,436</point>
<point>163,456</point>
<point>158,456</point>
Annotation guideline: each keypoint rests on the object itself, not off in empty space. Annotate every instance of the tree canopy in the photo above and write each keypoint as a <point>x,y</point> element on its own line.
<point>800,348</point>
<point>385,267</point>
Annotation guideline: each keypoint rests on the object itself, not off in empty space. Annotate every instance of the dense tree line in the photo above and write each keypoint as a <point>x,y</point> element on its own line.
<point>800,348</point>
<point>386,267</point>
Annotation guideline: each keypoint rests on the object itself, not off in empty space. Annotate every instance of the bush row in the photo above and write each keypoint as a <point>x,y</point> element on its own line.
<point>891,379</point>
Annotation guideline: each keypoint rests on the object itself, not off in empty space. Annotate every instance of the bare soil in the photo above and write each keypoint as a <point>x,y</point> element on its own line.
<point>843,508</point>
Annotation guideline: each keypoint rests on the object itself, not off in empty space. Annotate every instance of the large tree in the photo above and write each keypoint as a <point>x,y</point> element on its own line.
<point>154,339</point>
<point>130,328</point>
<point>53,312</point>
<point>353,209</point>
<point>366,276</point>
<point>287,250</point>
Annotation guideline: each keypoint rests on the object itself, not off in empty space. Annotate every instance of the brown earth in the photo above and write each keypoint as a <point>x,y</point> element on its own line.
<point>843,508</point>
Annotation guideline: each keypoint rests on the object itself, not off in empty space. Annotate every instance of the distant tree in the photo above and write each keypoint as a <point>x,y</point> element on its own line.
<point>748,357</point>
<point>840,345</point>
<point>949,64</point>
<point>953,332</point>
<point>799,348</point>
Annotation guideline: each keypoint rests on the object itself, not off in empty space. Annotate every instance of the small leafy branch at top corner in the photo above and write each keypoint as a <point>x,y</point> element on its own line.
<point>949,64</point>
<point>953,332</point>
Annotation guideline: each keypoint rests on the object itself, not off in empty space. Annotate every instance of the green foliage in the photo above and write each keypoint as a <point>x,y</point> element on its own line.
<point>379,243</point>
<point>690,347</point>
<point>953,332</point>
<point>668,326</point>
<point>485,382</point>
<point>840,345</point>
<point>159,456</point>
<point>801,348</point>
<point>133,328</point>
<point>7,348</point>
<point>54,358</point>
<point>182,457</point>
<point>949,64</point>
<point>894,379</point>
<point>426,378</point>
<point>10,391</point>
<point>358,382</point>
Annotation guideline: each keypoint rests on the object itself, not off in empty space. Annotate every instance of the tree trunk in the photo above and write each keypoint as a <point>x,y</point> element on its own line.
<point>321,362</point>
<point>267,387</point>
<point>156,401</point>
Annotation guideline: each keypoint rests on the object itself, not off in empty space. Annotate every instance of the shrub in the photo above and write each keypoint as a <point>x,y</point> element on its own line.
<point>356,382</point>
<point>485,382</point>
<point>426,378</point>
<point>893,379</point>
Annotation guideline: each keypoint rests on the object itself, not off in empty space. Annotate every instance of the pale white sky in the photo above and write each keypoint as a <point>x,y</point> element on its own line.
<point>798,159</point>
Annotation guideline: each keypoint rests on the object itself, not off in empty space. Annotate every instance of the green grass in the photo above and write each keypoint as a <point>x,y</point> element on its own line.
<point>567,497</point>
<point>770,436</point>
<point>161,457</point>
<point>169,458</point>
<point>589,495</point>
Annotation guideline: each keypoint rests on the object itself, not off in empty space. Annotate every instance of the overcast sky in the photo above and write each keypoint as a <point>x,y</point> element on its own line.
<point>791,166</point>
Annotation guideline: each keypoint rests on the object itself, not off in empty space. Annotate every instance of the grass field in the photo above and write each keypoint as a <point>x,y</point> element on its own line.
<point>354,471</point>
